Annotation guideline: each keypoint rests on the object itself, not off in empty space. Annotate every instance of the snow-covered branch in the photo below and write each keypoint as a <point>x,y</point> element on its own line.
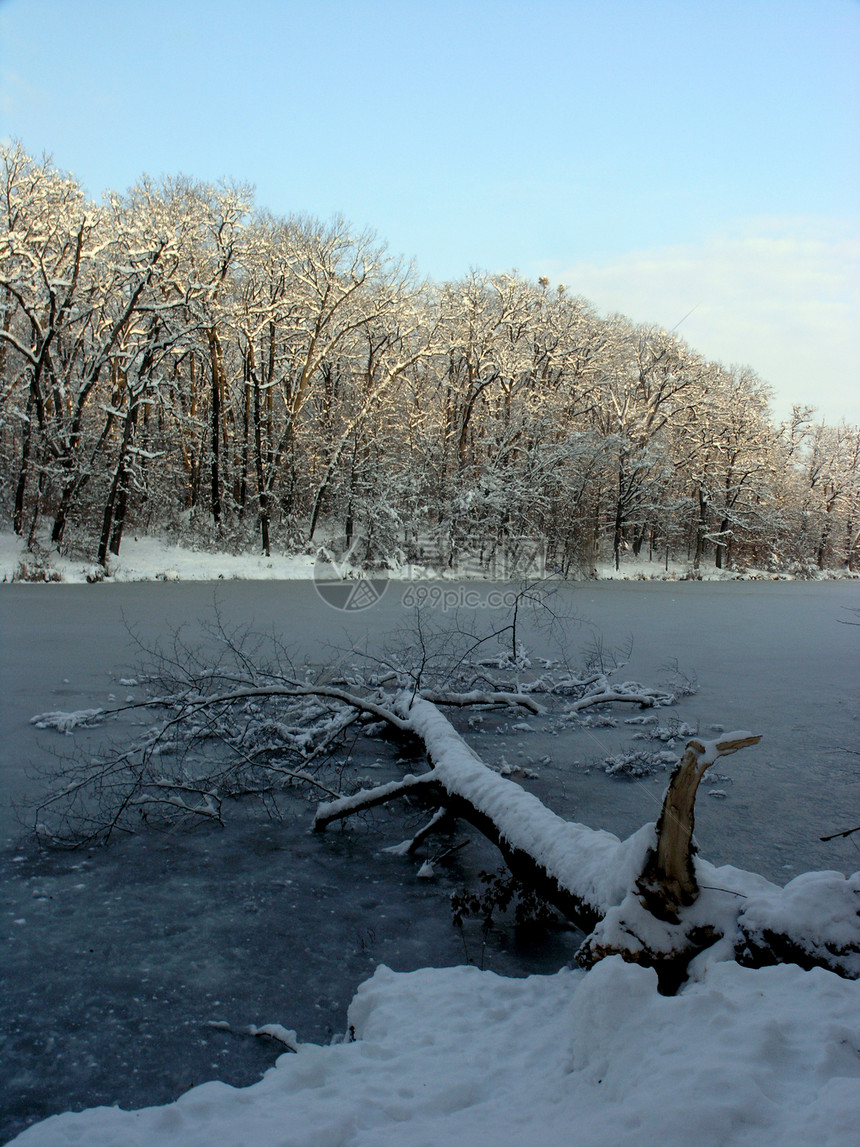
<point>482,697</point>
<point>242,729</point>
<point>364,799</point>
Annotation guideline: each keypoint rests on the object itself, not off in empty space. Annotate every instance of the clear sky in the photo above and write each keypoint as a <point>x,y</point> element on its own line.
<point>659,157</point>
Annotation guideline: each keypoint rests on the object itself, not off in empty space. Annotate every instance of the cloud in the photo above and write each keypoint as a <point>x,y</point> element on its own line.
<point>781,295</point>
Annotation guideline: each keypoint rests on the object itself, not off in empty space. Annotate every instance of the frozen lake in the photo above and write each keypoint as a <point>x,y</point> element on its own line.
<point>114,960</point>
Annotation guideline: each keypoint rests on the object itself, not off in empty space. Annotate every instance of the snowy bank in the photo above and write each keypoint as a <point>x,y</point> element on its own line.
<point>460,1056</point>
<point>155,559</point>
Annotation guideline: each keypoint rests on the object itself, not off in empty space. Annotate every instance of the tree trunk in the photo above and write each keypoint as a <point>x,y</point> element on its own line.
<point>701,529</point>
<point>576,869</point>
<point>618,530</point>
<point>217,364</point>
<point>115,506</point>
<point>242,489</point>
<point>259,463</point>
<point>721,556</point>
<point>668,882</point>
<point>586,873</point>
<point>24,469</point>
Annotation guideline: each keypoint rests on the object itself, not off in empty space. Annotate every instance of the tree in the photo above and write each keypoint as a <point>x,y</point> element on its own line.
<point>265,726</point>
<point>723,448</point>
<point>47,248</point>
<point>654,374</point>
<point>308,289</point>
<point>76,287</point>
<point>290,374</point>
<point>833,481</point>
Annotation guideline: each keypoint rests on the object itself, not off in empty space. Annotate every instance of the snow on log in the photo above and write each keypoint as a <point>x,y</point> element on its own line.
<point>582,871</point>
<point>647,898</point>
<point>814,921</point>
<point>643,700</point>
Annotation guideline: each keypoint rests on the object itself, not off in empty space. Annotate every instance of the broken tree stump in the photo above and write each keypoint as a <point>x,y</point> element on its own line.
<point>668,881</point>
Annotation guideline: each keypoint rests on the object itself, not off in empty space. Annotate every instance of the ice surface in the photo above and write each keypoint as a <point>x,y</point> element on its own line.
<point>121,962</point>
<point>129,952</point>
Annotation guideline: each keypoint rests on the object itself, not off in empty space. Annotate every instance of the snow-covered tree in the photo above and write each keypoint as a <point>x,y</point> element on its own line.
<point>289,374</point>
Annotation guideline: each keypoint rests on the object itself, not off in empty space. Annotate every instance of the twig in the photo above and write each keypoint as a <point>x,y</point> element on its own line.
<point>836,835</point>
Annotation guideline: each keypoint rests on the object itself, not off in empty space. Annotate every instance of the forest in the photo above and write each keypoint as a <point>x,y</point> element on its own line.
<point>176,360</point>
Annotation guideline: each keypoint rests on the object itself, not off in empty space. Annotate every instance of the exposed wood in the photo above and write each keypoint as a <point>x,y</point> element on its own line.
<point>669,880</point>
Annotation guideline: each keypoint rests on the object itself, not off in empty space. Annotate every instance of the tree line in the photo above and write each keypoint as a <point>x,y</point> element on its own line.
<point>175,359</point>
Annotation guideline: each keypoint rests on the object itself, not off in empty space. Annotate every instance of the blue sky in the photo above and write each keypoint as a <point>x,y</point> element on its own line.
<point>657,156</point>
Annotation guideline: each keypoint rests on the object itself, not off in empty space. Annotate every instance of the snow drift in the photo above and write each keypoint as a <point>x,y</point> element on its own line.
<point>460,1056</point>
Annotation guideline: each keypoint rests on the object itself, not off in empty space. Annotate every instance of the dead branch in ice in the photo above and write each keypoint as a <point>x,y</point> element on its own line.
<point>482,697</point>
<point>67,722</point>
<point>243,721</point>
<point>643,700</point>
<point>440,821</point>
<point>239,728</point>
<point>837,835</point>
<point>277,1032</point>
<point>366,799</point>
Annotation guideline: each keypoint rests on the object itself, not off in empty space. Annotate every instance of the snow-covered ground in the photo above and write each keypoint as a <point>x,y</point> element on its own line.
<point>462,1056</point>
<point>457,1056</point>
<point>145,558</point>
<point>153,559</point>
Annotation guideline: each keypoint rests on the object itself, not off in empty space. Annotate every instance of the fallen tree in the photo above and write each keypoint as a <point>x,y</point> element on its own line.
<point>236,729</point>
<point>642,897</point>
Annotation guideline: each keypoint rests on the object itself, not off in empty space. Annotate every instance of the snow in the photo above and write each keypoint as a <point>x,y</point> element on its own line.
<point>67,722</point>
<point>593,863</point>
<point>460,1056</point>
<point>154,559</point>
<point>641,569</point>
